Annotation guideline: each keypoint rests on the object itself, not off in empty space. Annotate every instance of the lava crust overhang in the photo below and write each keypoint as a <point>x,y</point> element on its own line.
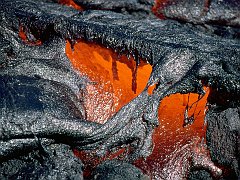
<point>200,57</point>
<point>155,43</point>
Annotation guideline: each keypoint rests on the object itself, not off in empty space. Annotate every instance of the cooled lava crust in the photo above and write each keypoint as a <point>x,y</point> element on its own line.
<point>44,120</point>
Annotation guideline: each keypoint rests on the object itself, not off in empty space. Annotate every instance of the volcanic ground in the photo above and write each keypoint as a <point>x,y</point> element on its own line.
<point>128,89</point>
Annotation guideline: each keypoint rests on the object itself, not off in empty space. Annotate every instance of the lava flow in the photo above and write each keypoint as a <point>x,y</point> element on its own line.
<point>114,81</point>
<point>181,118</point>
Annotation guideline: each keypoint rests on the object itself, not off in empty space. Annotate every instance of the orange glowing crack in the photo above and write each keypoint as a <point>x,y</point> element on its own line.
<point>71,3</point>
<point>23,36</point>
<point>111,78</point>
<point>150,89</point>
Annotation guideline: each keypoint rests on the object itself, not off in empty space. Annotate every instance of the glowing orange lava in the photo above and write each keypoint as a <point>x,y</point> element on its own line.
<point>113,81</point>
<point>171,135</point>
<point>71,3</point>
<point>150,89</point>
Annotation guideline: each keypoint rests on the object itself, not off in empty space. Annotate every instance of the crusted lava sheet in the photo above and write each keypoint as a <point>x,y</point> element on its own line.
<point>43,117</point>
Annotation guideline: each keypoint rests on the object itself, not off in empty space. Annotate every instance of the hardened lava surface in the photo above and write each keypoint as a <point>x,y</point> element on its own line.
<point>43,112</point>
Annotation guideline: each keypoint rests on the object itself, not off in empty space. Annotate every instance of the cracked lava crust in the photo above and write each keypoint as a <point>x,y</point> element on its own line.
<point>119,89</point>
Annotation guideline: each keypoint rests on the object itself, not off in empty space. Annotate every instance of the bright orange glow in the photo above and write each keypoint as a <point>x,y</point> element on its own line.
<point>113,81</point>
<point>71,3</point>
<point>171,117</point>
<point>23,36</point>
<point>151,88</point>
<point>171,135</point>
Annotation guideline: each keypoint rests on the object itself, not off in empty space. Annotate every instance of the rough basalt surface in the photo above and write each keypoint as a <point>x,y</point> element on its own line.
<point>117,170</point>
<point>223,131</point>
<point>42,118</point>
<point>139,9</point>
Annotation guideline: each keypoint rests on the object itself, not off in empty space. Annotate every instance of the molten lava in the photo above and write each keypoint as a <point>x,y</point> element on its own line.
<point>113,81</point>
<point>172,117</point>
<point>172,135</point>
<point>71,3</point>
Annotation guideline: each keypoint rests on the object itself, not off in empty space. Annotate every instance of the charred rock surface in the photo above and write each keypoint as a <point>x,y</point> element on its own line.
<point>139,9</point>
<point>39,89</point>
<point>200,175</point>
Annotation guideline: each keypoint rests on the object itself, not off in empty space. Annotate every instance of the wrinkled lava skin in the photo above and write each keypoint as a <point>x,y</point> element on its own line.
<point>212,15</point>
<point>218,12</point>
<point>42,118</point>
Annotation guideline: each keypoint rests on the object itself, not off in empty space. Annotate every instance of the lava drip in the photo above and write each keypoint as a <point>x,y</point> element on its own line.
<point>112,80</point>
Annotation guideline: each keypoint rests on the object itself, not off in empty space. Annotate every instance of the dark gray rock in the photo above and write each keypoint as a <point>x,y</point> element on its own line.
<point>47,162</point>
<point>136,8</point>
<point>117,170</point>
<point>200,175</point>
<point>223,138</point>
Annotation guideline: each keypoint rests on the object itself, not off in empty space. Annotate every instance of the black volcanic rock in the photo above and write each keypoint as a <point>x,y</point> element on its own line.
<point>219,17</point>
<point>41,115</point>
<point>46,162</point>
<point>117,170</point>
<point>138,8</point>
<point>223,136</point>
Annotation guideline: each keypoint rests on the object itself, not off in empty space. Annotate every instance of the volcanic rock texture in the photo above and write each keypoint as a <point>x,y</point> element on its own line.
<point>42,114</point>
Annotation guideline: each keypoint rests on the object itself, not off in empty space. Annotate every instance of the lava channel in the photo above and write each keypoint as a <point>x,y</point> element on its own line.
<point>113,81</point>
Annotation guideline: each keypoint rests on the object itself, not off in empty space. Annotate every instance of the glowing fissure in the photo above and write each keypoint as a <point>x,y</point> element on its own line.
<point>71,3</point>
